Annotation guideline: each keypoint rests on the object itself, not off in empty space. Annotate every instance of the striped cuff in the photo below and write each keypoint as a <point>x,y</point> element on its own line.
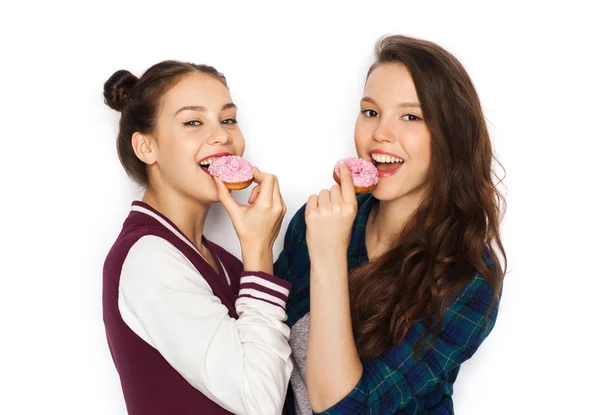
<point>264,287</point>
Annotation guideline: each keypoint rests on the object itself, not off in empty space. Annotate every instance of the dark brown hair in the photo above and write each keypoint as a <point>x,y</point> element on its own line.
<point>455,232</point>
<point>138,100</point>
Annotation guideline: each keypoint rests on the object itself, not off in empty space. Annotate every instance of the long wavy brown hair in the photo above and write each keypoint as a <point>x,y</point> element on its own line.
<point>455,232</point>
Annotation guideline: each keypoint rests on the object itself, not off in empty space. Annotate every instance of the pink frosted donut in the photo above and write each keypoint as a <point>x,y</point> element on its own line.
<point>235,172</point>
<point>364,174</point>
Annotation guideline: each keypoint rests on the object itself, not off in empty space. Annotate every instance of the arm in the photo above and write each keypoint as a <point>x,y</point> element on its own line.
<point>390,382</point>
<point>333,364</point>
<point>244,365</point>
<point>336,378</point>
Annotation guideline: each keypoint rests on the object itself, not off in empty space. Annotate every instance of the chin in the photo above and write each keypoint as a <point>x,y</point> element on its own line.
<point>389,192</point>
<point>210,197</point>
<point>203,196</point>
<point>384,194</point>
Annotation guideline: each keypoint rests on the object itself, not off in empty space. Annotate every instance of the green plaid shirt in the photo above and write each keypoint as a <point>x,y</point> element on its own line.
<point>399,381</point>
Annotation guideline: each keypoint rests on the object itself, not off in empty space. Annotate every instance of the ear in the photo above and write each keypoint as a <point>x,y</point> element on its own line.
<point>144,147</point>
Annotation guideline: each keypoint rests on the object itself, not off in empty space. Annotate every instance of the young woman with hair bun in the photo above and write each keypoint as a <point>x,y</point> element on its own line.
<point>191,329</point>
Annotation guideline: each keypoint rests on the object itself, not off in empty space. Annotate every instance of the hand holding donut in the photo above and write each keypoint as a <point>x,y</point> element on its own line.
<point>256,225</point>
<point>329,218</point>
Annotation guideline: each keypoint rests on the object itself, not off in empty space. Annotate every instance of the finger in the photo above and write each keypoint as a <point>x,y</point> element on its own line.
<point>266,189</point>
<point>324,198</point>
<point>347,186</point>
<point>277,199</point>
<point>254,195</point>
<point>225,197</point>
<point>336,194</point>
<point>258,175</point>
<point>311,204</point>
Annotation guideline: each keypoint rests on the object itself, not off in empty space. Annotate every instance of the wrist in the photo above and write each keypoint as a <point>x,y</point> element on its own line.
<point>324,253</point>
<point>330,260</point>
<point>258,258</point>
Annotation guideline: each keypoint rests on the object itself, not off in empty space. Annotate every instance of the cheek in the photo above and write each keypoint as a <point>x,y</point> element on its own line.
<point>424,157</point>
<point>238,143</point>
<point>167,151</point>
<point>426,152</point>
<point>362,134</point>
<point>241,145</point>
<point>419,149</point>
<point>181,154</point>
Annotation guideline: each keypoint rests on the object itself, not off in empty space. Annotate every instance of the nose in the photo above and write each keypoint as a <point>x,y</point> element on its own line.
<point>384,132</point>
<point>219,135</point>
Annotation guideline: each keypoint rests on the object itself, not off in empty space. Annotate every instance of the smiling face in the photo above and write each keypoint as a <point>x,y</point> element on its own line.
<point>196,124</point>
<point>390,131</point>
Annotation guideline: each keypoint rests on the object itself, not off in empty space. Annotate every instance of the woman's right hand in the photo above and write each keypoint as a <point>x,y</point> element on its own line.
<point>258,223</point>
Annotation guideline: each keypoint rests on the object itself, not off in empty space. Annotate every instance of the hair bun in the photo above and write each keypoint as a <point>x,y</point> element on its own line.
<point>118,88</point>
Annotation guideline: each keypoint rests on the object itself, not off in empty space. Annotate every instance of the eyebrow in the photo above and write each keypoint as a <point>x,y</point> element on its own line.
<point>402,104</point>
<point>200,108</point>
<point>409,105</point>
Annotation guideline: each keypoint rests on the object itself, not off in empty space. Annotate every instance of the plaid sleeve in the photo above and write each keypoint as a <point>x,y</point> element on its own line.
<point>294,239</point>
<point>391,381</point>
<point>292,266</point>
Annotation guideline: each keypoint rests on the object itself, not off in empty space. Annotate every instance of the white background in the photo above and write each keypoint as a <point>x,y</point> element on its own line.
<point>296,73</point>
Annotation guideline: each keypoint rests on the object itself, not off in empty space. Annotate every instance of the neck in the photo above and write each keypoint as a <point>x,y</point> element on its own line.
<point>387,220</point>
<point>188,215</point>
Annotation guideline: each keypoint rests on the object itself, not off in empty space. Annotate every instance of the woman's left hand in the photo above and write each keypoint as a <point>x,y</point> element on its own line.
<point>329,218</point>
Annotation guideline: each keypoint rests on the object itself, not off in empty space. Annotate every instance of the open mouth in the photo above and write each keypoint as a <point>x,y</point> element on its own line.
<point>386,164</point>
<point>207,161</point>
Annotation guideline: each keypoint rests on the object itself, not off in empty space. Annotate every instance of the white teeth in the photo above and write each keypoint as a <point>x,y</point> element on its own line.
<point>382,158</point>
<point>207,162</point>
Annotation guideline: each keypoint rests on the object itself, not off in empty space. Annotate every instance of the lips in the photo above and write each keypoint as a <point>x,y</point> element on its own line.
<point>387,170</point>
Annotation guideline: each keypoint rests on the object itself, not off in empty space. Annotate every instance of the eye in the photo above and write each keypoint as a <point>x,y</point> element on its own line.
<point>193,123</point>
<point>369,113</point>
<point>229,121</point>
<point>410,117</point>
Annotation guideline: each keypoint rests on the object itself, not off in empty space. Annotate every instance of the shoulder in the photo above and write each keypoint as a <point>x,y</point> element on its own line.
<point>152,249</point>
<point>474,309</point>
<point>154,262</point>
<point>477,290</point>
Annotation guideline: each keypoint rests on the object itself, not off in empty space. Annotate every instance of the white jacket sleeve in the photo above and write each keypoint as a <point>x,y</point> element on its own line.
<point>244,365</point>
